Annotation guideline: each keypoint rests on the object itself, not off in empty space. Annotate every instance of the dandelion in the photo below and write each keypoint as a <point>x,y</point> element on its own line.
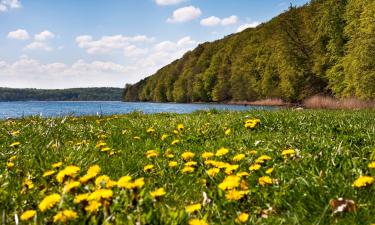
<point>15,144</point>
<point>106,149</point>
<point>180,127</point>
<point>100,194</point>
<point>363,181</point>
<point>191,163</point>
<point>213,172</point>
<point>136,138</point>
<point>253,152</point>
<point>11,159</point>
<point>158,193</point>
<point>105,181</point>
<point>10,165</point>
<point>92,172</point>
<point>164,136</point>
<point>93,206</point>
<point>251,123</point>
<point>288,153</point>
<point>197,222</point>
<point>227,131</point>
<point>125,182</point>
<point>207,155</point>
<point>15,133</point>
<point>221,152</point>
<point>172,164</point>
<point>188,169</point>
<point>230,182</point>
<point>269,171</point>
<point>175,142</point>
<point>242,218</point>
<point>48,173</point>
<point>64,216</point>
<point>193,208</point>
<point>234,195</point>
<point>49,201</point>
<point>371,165</point>
<point>81,197</point>
<point>265,180</point>
<point>150,130</point>
<point>28,215</point>
<point>229,170</point>
<point>262,159</point>
<point>242,174</point>
<point>238,157</point>
<point>57,165</point>
<point>254,167</point>
<point>28,183</point>
<point>187,156</point>
<point>148,168</point>
<point>70,171</point>
<point>138,183</point>
<point>71,185</point>
<point>152,154</point>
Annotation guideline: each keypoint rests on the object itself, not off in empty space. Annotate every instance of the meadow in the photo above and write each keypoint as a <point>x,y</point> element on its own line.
<point>208,167</point>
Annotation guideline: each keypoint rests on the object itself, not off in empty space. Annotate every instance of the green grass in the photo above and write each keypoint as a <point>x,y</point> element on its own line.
<point>333,149</point>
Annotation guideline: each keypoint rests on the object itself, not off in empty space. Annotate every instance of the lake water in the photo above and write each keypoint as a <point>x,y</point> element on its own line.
<point>55,109</point>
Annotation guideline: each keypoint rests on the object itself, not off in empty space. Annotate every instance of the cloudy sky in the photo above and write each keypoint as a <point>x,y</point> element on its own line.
<point>107,43</point>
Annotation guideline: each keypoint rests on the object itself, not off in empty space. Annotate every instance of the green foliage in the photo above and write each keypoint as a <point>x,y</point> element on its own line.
<point>323,47</point>
<point>74,94</point>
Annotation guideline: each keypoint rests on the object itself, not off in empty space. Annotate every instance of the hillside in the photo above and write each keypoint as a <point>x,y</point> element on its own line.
<point>74,94</point>
<point>324,47</point>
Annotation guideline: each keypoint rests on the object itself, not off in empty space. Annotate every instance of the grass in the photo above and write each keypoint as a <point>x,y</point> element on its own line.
<point>325,102</point>
<point>331,149</point>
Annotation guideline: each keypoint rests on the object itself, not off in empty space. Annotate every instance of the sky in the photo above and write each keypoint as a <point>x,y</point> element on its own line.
<point>108,43</point>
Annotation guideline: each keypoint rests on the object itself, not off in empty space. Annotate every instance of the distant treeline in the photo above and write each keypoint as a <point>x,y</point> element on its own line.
<point>324,47</point>
<point>74,94</point>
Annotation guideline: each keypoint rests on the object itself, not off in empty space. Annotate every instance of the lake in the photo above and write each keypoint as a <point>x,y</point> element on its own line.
<point>55,109</point>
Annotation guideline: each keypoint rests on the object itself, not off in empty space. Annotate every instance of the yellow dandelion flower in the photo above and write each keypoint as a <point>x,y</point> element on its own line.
<point>148,168</point>
<point>150,130</point>
<point>253,152</point>
<point>164,136</point>
<point>242,174</point>
<point>238,157</point>
<point>288,153</point>
<point>49,201</point>
<point>81,197</point>
<point>138,183</point>
<point>222,152</point>
<point>93,206</point>
<point>106,149</point>
<point>69,171</point>
<point>15,133</point>
<point>64,216</point>
<point>191,163</point>
<point>227,131</point>
<point>230,168</point>
<point>371,165</point>
<point>193,208</point>
<point>234,195</point>
<point>180,127</point>
<point>230,182</point>
<point>48,173</point>
<point>197,222</point>
<point>28,215</point>
<point>57,165</point>
<point>28,183</point>
<point>172,164</point>
<point>105,181</point>
<point>12,158</point>
<point>10,165</point>
<point>137,138</point>
<point>158,193</point>
<point>213,172</point>
<point>255,167</point>
<point>207,155</point>
<point>15,144</point>
<point>175,142</point>
<point>242,218</point>
<point>152,154</point>
<point>265,180</point>
<point>100,194</point>
<point>262,159</point>
<point>188,169</point>
<point>363,181</point>
<point>125,182</point>
<point>71,185</point>
<point>269,171</point>
<point>187,156</point>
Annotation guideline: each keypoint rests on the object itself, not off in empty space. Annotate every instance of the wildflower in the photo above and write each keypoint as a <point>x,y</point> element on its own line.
<point>187,156</point>
<point>213,172</point>
<point>191,163</point>
<point>71,185</point>
<point>148,168</point>
<point>164,136</point>
<point>269,171</point>
<point>221,152</point>
<point>92,172</point>
<point>12,158</point>
<point>238,157</point>
<point>104,181</point>
<point>253,152</point>
<point>28,183</point>
<point>49,201</point>
<point>57,165</point>
<point>15,144</point>
<point>288,153</point>
<point>172,164</point>
<point>48,173</point>
<point>230,182</point>
<point>193,208</point>
<point>81,197</point>
<point>136,138</point>
<point>234,195</point>
<point>152,154</point>
<point>106,149</point>
<point>10,165</point>
<point>70,171</point>
<point>363,181</point>
<point>158,193</point>
<point>229,170</point>
<point>15,133</point>
<point>100,194</point>
<point>138,183</point>
<point>125,182</point>
<point>175,142</point>
<point>242,174</point>
<point>207,155</point>
<point>262,159</point>
<point>180,127</point>
<point>251,123</point>
<point>64,216</point>
<point>150,130</point>
<point>265,180</point>
<point>227,131</point>
<point>254,167</point>
<point>28,215</point>
<point>197,222</point>
<point>242,218</point>
<point>188,169</point>
<point>93,206</point>
<point>371,165</point>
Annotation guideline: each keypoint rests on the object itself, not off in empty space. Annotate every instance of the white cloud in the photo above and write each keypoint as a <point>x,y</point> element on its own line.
<point>185,14</point>
<point>44,36</point>
<point>9,4</point>
<point>215,21</point>
<point>169,2</point>
<point>247,25</point>
<point>19,34</point>
<point>107,44</point>
<point>36,45</point>
<point>133,51</point>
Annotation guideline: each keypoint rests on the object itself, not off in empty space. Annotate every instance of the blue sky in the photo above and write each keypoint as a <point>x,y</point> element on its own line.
<point>90,43</point>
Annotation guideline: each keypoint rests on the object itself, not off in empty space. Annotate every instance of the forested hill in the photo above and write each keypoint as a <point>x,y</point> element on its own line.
<point>326,46</point>
<point>74,94</point>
